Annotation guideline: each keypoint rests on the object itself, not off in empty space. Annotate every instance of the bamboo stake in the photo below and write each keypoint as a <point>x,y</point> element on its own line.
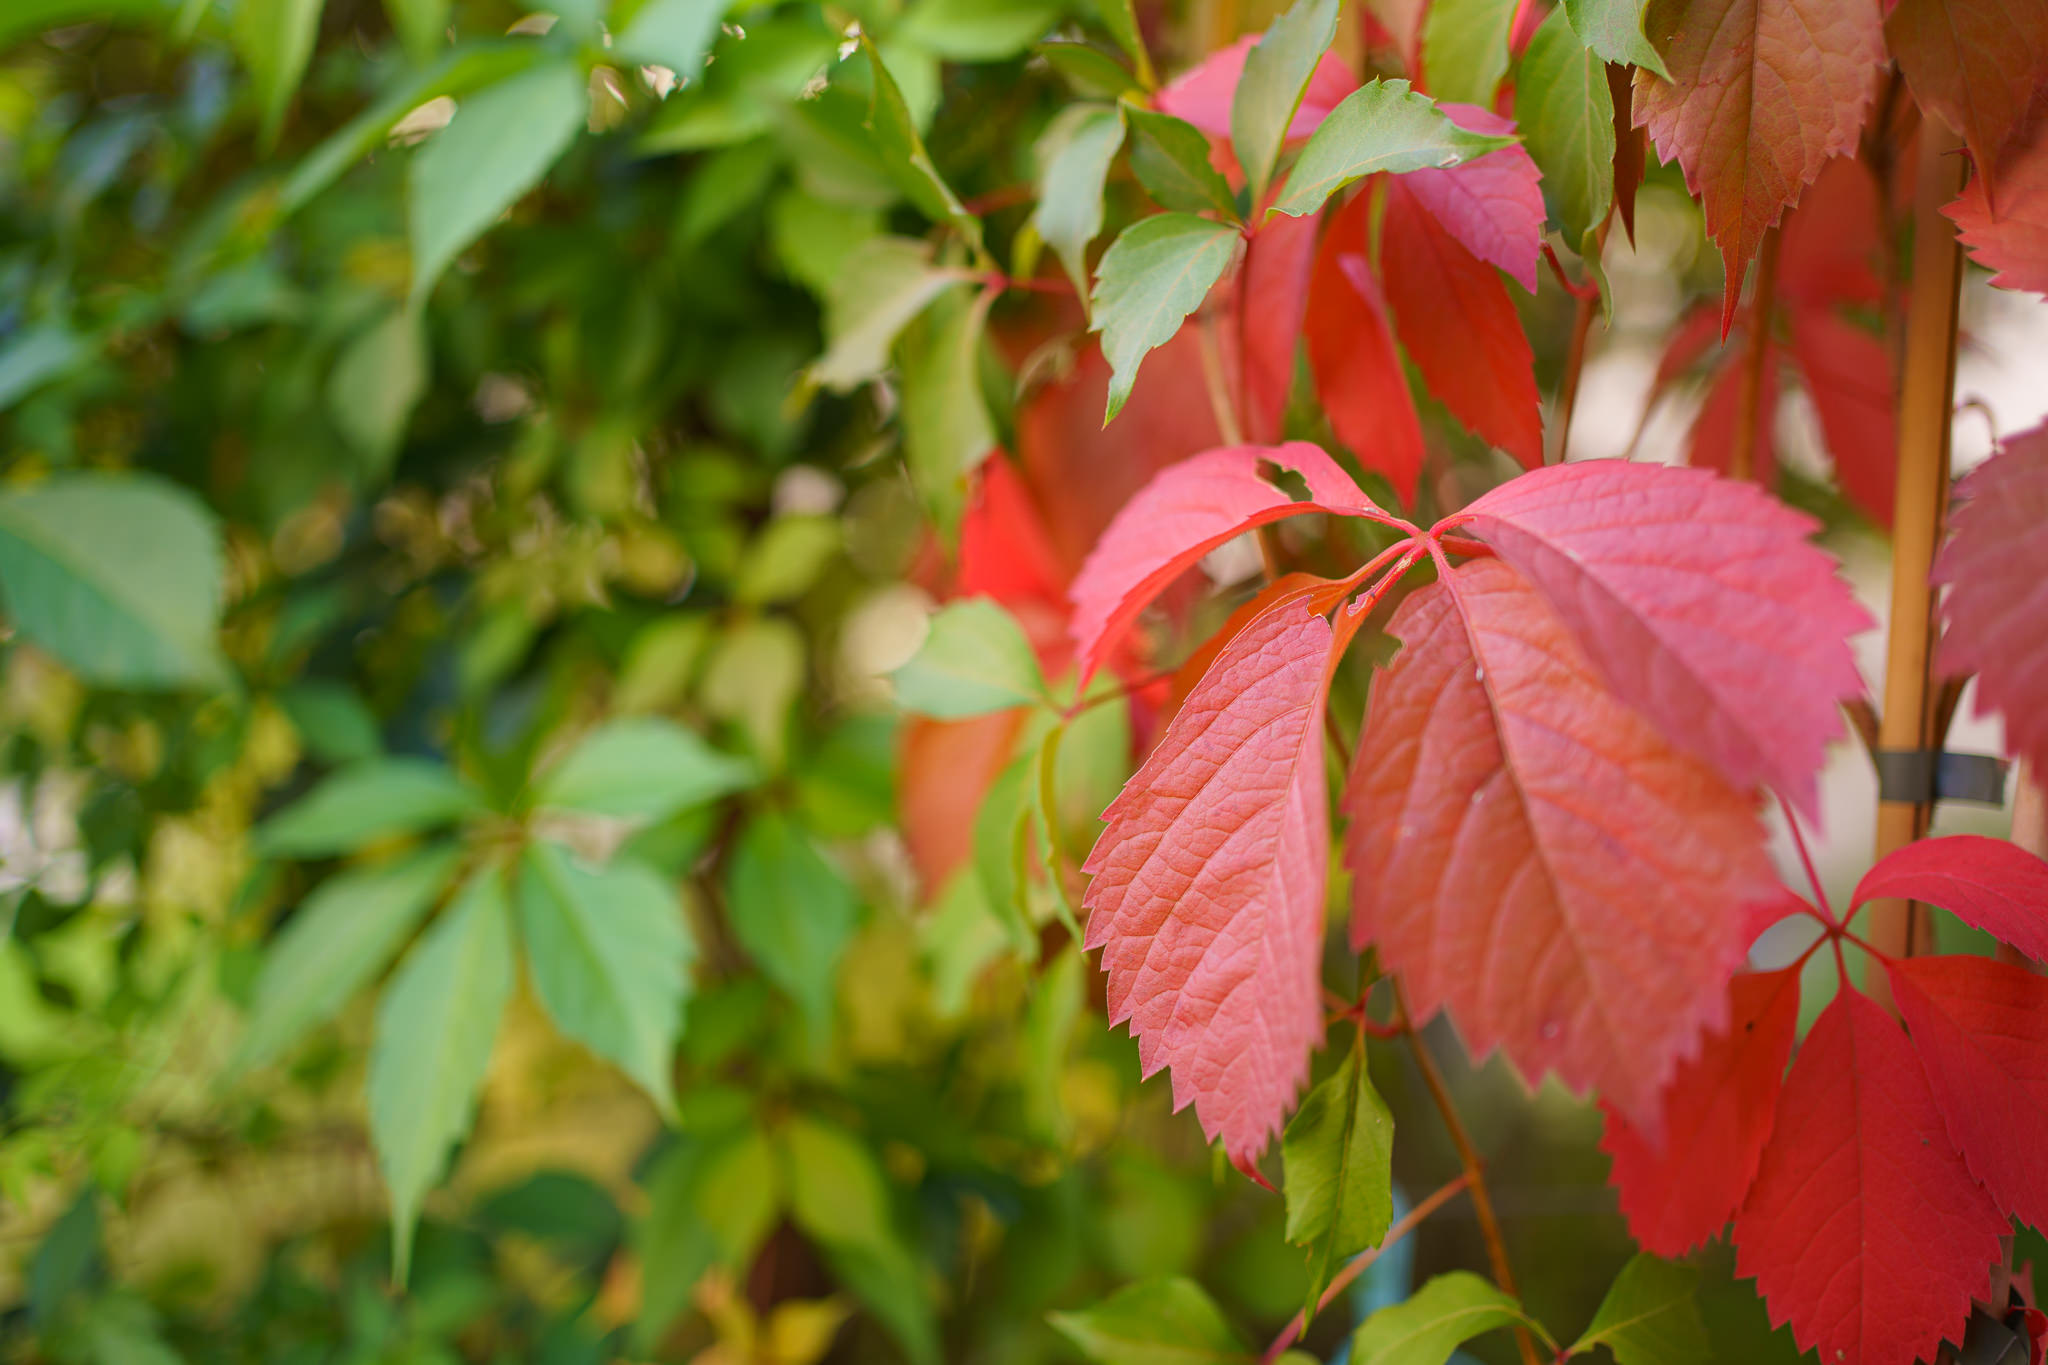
<point>1762,300</point>
<point>1926,400</point>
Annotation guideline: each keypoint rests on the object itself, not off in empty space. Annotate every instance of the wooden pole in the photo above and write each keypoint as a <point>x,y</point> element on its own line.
<point>1762,301</point>
<point>1926,401</point>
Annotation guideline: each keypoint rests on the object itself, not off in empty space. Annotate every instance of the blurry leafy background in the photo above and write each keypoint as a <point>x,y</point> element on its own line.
<point>463,895</point>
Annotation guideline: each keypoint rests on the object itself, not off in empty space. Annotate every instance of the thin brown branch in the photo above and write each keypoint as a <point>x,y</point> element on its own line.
<point>1762,302</point>
<point>1475,1173</point>
<point>1362,1263</point>
<point>1216,378</point>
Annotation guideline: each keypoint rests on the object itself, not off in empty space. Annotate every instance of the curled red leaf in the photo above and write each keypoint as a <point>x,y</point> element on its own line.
<point>1994,885</point>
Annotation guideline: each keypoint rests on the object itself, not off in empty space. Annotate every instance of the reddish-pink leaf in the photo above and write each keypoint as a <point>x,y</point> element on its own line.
<point>1848,375</point>
<point>1210,878</point>
<point>1762,93</point>
<point>1996,886</point>
<point>1270,300</point>
<point>1492,204</point>
<point>1530,854</point>
<point>1689,591</point>
<point>2011,238</point>
<point>1357,367</point>
<point>1711,442</point>
<point>1460,327</point>
<point>1976,63</point>
<point>1004,550</point>
<point>1996,612</point>
<point>1832,243</point>
<point>1717,1115</point>
<point>1981,1026</point>
<point>1186,511</point>
<point>1202,95</point>
<point>1864,1229</point>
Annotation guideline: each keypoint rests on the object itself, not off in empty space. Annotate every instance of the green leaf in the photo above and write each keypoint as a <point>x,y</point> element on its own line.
<point>496,148</point>
<point>364,802</point>
<point>274,39</point>
<point>1003,830</point>
<point>1338,1150</point>
<point>1465,49</point>
<point>435,1026</point>
<point>118,575</point>
<point>1276,72</point>
<point>19,18</point>
<point>672,33</point>
<point>904,154</point>
<point>791,911</point>
<point>467,68</point>
<point>1650,1317</point>
<point>1565,114</point>
<point>34,356</point>
<point>838,1196</point>
<point>1381,126</point>
<point>977,30</point>
<point>378,378</point>
<point>344,934</point>
<point>784,561</point>
<point>884,283</point>
<point>1074,155</point>
<point>710,1202</point>
<point>1167,1321</point>
<point>421,25</point>
<point>333,722</point>
<point>1171,159</point>
<point>976,659</point>
<point>610,953</point>
<point>1089,70</point>
<point>1156,272</point>
<point>1613,29</point>
<point>947,431</point>
<point>1120,17</point>
<point>642,768</point>
<point>1440,1317</point>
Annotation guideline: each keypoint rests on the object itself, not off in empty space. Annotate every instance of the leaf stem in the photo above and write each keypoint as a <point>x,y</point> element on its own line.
<point>1762,302</point>
<point>1361,1263</point>
<point>1475,1174</point>
<point>1820,894</point>
<point>1215,376</point>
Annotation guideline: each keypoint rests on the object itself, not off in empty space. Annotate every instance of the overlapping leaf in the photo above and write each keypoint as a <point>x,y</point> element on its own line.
<point>1685,590</point>
<point>1981,1027</point>
<point>1717,1114</point>
<point>1996,569</point>
<point>1492,204</point>
<point>1185,512</point>
<point>2010,236</point>
<point>1864,1229</point>
<point>1351,350</point>
<point>1761,94</point>
<point>1272,301</point>
<point>1460,327</point>
<point>1531,854</point>
<point>1209,884</point>
<point>1996,886</point>
<point>1203,95</point>
<point>1848,375</point>
<point>1975,63</point>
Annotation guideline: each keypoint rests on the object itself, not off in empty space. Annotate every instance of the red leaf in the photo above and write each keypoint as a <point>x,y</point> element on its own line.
<point>1196,666</point>
<point>1532,855</point>
<point>1762,93</point>
<point>947,767</point>
<point>1083,472</point>
<point>1004,550</point>
<point>2013,239</point>
<point>1996,568</point>
<point>1460,327</point>
<point>1975,63</point>
<point>1203,95</point>
<point>1988,883</point>
<point>1493,204</point>
<point>1981,1026</point>
<point>1210,881</point>
<point>1185,512</point>
<point>1848,375</point>
<point>1358,370</point>
<point>1832,243</point>
<point>1686,589</point>
<point>1711,443</point>
<point>1864,1229</point>
<point>1628,148</point>
<point>1717,1116</point>
<point>1271,299</point>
